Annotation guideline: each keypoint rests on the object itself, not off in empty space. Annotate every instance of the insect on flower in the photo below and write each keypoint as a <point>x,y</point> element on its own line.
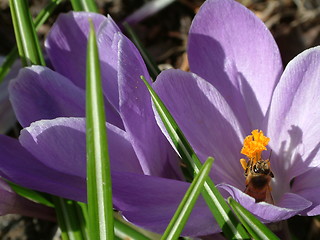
<point>257,171</point>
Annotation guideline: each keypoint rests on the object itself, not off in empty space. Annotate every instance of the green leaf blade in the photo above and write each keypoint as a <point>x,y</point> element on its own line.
<point>70,219</point>
<point>183,212</point>
<point>84,5</point>
<point>89,6</point>
<point>39,20</point>
<point>35,196</point>
<point>100,209</point>
<point>123,231</point>
<point>256,229</point>
<point>27,41</point>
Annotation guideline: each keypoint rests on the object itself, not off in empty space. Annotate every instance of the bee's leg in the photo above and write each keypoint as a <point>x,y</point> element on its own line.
<point>243,163</point>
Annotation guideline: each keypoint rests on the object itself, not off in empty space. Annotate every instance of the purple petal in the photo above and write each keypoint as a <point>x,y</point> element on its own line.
<point>150,202</point>
<point>155,154</point>
<point>19,166</point>
<point>237,54</point>
<point>294,116</point>
<point>206,120</point>
<point>61,145</point>
<point>12,203</point>
<point>289,205</point>
<point>108,51</point>
<point>66,44</point>
<point>307,185</point>
<point>40,93</point>
<point>67,48</point>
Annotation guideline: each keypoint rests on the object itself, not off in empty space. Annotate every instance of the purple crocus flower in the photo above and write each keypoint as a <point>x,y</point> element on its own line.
<point>237,85</point>
<point>49,155</point>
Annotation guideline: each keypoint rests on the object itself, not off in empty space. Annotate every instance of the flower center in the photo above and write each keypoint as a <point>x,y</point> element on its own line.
<point>253,145</point>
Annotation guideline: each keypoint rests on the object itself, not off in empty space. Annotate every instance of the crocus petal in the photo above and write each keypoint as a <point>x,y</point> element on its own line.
<point>307,185</point>
<point>67,48</point>
<point>19,166</point>
<point>155,154</point>
<point>66,44</point>
<point>150,202</point>
<point>61,145</point>
<point>294,116</point>
<point>40,93</point>
<point>12,203</point>
<point>108,39</point>
<point>237,54</point>
<point>206,120</point>
<point>289,205</point>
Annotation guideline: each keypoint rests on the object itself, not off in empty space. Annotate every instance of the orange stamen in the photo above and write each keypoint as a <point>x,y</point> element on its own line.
<point>253,145</point>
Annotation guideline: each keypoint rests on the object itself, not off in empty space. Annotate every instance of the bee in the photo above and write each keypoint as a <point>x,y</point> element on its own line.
<point>258,177</point>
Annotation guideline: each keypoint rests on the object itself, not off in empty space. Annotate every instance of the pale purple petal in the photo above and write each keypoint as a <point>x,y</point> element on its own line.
<point>231,48</point>
<point>307,185</point>
<point>19,166</point>
<point>294,116</point>
<point>108,39</point>
<point>66,44</point>
<point>61,145</point>
<point>12,203</point>
<point>40,93</point>
<point>155,154</point>
<point>206,120</point>
<point>67,48</point>
<point>289,205</point>
<point>150,202</point>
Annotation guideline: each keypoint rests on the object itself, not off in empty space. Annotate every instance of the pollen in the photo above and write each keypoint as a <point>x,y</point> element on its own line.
<point>254,144</point>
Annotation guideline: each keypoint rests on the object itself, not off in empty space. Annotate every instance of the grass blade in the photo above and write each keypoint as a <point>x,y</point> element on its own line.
<point>35,196</point>
<point>76,5</point>
<point>123,231</point>
<point>39,20</point>
<point>183,212</point>
<point>256,229</point>
<point>89,5</point>
<point>45,13</point>
<point>68,215</point>
<point>99,191</point>
<point>26,37</point>
<point>84,5</point>
<point>219,208</point>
